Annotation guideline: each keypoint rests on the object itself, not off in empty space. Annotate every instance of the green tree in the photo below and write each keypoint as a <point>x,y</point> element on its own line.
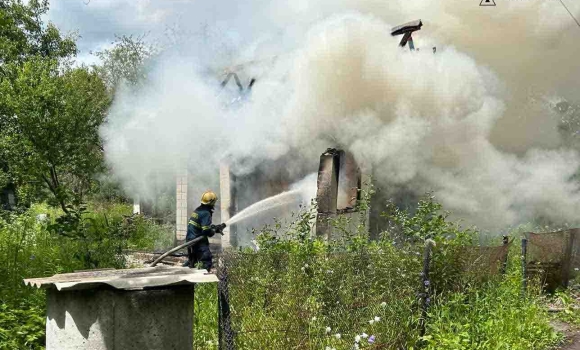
<point>24,35</point>
<point>51,137</point>
<point>125,61</point>
<point>49,112</point>
<point>569,125</point>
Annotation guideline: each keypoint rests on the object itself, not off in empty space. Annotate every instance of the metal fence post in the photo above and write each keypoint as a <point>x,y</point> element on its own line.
<point>225,332</point>
<point>505,259</point>
<point>567,259</point>
<point>524,266</point>
<point>425,286</point>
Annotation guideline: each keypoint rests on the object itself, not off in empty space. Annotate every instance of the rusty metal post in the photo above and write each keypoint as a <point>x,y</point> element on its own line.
<point>524,266</point>
<point>505,240</point>
<point>425,286</point>
<point>569,237</point>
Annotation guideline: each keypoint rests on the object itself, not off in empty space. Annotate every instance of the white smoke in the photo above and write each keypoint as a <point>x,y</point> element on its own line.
<point>463,122</point>
<point>307,188</point>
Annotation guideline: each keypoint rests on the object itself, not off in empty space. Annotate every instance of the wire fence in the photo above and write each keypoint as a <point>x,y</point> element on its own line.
<point>554,257</point>
<point>378,299</point>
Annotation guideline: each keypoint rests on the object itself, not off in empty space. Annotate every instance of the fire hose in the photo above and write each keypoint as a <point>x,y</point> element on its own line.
<point>218,228</point>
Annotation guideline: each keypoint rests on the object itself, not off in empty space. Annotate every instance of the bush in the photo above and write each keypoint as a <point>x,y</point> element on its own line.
<point>321,298</point>
<point>42,242</point>
<point>297,291</point>
<point>22,326</point>
<point>494,316</point>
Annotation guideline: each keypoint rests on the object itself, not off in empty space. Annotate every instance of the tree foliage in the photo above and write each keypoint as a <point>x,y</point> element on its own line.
<point>50,112</point>
<point>125,61</point>
<point>24,35</point>
<point>51,137</point>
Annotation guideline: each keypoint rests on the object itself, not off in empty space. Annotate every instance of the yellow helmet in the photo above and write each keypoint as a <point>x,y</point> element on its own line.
<point>209,198</point>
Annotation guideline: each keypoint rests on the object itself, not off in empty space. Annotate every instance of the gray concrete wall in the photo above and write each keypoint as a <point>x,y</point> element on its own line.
<point>227,204</point>
<point>182,215</point>
<point>327,192</point>
<point>349,181</point>
<point>339,181</point>
<point>110,319</point>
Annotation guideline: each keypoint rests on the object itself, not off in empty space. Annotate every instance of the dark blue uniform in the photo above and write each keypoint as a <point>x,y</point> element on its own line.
<point>200,225</point>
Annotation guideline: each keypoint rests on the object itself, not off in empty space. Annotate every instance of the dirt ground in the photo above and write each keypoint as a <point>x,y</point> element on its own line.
<point>572,334</point>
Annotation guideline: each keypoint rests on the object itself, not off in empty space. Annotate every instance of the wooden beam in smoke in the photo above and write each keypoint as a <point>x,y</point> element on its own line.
<point>407,30</point>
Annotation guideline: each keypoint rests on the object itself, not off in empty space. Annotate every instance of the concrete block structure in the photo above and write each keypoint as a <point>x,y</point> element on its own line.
<point>144,309</point>
<point>8,197</point>
<point>136,206</point>
<point>340,180</point>
<point>227,204</point>
<point>338,188</point>
<point>339,183</point>
<point>181,208</point>
<point>109,320</point>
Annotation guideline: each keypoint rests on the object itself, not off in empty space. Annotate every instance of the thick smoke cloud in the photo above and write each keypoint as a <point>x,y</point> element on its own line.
<point>473,122</point>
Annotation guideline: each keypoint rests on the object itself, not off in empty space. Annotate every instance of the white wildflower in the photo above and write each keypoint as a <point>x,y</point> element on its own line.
<point>383,304</point>
<point>377,318</point>
<point>337,335</point>
<point>328,329</point>
<point>364,335</point>
<point>371,322</point>
<point>357,338</point>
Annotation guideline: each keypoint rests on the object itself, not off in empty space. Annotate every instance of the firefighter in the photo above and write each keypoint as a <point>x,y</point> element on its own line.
<point>200,225</point>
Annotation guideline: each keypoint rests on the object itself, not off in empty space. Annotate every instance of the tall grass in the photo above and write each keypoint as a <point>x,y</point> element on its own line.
<point>31,245</point>
<point>298,292</point>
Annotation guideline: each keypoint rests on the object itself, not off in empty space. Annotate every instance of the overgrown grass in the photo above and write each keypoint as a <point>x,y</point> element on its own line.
<point>495,315</point>
<point>303,293</point>
<point>32,245</point>
<point>206,316</point>
<point>296,291</point>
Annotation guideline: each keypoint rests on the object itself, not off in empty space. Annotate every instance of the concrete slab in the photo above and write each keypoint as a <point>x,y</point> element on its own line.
<point>110,319</point>
<point>128,279</point>
<point>147,308</point>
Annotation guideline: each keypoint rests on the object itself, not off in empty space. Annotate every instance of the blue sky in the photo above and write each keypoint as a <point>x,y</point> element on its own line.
<point>98,21</point>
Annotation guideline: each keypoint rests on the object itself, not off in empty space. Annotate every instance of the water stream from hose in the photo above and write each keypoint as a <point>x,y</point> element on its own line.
<point>277,201</point>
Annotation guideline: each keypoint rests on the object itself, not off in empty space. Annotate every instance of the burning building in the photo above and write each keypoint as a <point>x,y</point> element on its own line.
<point>339,178</point>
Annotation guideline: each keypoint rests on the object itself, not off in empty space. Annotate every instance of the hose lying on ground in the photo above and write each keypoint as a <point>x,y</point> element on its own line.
<point>186,244</point>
